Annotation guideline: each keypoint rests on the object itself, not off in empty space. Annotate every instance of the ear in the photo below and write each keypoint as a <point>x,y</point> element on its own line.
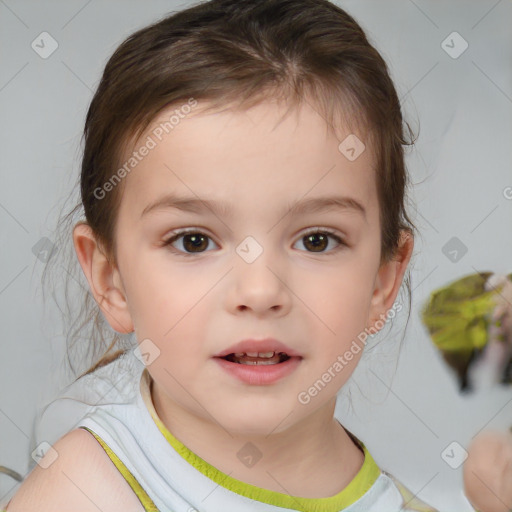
<point>104,279</point>
<point>389,279</point>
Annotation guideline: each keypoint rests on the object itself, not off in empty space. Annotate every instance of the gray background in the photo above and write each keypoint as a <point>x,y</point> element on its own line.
<point>461,165</point>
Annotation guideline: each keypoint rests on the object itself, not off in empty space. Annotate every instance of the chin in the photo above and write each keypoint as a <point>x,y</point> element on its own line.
<point>255,420</point>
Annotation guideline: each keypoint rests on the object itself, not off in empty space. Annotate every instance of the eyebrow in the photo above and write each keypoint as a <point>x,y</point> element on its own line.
<point>310,205</point>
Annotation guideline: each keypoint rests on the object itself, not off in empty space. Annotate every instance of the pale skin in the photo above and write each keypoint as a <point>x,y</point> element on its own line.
<point>192,307</point>
<point>488,472</point>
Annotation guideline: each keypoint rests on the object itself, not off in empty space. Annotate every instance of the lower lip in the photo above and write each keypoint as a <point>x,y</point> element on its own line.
<point>259,374</point>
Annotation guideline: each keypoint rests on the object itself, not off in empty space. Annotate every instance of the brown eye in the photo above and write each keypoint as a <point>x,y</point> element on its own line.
<point>191,241</point>
<point>195,242</point>
<point>318,240</point>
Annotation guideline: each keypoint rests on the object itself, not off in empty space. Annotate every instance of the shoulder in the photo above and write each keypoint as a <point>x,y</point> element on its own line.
<point>82,478</point>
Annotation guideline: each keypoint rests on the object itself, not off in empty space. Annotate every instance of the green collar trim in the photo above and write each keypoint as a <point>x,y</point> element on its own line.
<point>359,485</point>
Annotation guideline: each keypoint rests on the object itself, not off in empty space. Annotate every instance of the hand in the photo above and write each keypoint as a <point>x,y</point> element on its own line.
<point>488,472</point>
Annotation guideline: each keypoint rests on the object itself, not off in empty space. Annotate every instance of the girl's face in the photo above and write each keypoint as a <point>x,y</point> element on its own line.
<point>251,272</point>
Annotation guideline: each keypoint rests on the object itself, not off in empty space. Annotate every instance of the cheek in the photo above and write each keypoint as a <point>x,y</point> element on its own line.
<point>152,282</point>
<point>339,297</point>
<point>168,303</point>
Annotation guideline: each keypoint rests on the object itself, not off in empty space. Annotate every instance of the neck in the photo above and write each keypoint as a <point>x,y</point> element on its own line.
<point>314,458</point>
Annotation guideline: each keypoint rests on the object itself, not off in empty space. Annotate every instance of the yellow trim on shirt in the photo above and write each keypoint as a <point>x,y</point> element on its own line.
<point>359,485</point>
<point>146,501</point>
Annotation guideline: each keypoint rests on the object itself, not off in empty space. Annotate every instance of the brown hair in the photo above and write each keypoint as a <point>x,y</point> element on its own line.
<point>227,52</point>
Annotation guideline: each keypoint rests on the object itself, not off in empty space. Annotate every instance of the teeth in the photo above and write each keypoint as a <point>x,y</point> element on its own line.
<point>255,354</point>
<point>257,358</point>
<point>258,362</point>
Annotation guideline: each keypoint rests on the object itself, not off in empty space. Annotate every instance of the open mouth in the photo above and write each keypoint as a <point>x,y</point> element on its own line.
<point>261,358</point>
<point>259,368</point>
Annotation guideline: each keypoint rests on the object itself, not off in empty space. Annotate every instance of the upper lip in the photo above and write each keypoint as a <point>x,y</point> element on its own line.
<point>262,345</point>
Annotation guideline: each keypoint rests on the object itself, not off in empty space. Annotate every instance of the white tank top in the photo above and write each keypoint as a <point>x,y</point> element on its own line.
<point>167,476</point>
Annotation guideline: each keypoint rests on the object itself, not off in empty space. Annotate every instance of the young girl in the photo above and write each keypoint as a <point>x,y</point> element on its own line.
<point>243,185</point>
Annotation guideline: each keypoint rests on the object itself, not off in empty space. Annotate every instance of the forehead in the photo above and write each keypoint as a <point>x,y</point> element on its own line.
<point>248,158</point>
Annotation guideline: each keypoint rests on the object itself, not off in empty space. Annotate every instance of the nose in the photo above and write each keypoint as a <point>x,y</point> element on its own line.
<point>259,286</point>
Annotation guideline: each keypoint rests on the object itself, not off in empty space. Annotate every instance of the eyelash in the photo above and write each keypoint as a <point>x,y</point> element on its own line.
<point>179,234</point>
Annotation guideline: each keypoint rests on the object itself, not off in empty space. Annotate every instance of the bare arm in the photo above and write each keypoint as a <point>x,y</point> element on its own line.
<point>82,479</point>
